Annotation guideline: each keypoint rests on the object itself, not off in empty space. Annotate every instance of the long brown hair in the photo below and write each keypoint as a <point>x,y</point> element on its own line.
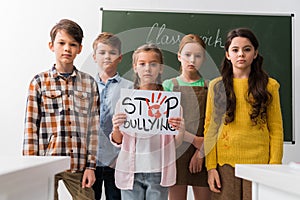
<point>257,96</point>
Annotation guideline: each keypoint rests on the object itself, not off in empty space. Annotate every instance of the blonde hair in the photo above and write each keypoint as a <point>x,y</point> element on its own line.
<point>108,39</point>
<point>147,48</point>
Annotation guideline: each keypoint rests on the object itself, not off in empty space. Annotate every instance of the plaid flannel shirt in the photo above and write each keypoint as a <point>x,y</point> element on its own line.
<point>62,118</point>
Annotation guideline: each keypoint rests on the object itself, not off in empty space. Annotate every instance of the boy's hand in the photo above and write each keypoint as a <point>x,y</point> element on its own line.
<point>88,178</point>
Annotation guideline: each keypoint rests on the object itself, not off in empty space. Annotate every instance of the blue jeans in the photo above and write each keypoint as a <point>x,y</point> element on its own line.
<point>106,175</point>
<point>146,186</point>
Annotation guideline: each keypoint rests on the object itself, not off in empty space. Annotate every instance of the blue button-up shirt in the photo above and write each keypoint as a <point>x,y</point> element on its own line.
<point>109,96</point>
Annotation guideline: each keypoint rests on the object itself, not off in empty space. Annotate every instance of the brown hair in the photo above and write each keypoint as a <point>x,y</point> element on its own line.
<point>71,27</point>
<point>147,48</point>
<point>108,39</point>
<point>258,96</point>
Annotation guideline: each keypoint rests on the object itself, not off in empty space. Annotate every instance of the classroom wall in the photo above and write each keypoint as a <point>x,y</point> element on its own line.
<point>24,38</point>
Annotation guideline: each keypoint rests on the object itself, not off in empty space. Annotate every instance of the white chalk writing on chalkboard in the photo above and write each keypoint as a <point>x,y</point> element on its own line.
<point>159,36</point>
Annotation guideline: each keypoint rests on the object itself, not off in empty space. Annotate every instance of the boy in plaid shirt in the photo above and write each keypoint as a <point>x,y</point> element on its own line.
<point>62,113</point>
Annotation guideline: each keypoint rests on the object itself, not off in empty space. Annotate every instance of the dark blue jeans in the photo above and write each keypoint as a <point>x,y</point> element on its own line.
<point>106,175</point>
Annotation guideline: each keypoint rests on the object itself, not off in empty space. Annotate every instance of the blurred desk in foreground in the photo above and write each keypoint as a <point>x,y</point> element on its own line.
<point>30,177</point>
<point>271,181</point>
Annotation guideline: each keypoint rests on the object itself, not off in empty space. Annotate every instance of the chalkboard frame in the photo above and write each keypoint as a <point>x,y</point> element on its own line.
<point>285,78</point>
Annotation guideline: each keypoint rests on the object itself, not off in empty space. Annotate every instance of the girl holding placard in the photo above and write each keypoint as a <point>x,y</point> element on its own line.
<point>145,166</point>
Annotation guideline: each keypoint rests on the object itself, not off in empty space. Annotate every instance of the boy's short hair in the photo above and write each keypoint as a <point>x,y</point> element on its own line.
<point>71,27</point>
<point>108,39</point>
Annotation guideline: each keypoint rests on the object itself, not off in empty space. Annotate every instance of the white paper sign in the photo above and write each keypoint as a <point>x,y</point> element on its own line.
<point>148,111</point>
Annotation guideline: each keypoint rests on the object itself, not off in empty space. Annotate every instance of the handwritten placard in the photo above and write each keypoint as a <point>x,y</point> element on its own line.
<point>148,111</point>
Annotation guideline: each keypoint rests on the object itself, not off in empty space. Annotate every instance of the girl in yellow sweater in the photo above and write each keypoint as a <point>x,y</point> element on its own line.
<point>243,122</point>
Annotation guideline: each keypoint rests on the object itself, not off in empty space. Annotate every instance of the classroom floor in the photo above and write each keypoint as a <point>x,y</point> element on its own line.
<point>64,194</point>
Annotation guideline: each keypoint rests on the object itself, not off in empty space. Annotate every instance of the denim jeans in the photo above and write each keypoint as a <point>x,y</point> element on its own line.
<point>106,175</point>
<point>146,186</point>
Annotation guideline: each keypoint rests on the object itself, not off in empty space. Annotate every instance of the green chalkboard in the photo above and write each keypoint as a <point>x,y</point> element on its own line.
<point>166,29</point>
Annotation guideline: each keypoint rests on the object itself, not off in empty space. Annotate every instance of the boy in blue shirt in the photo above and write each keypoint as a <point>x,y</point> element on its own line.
<point>107,55</point>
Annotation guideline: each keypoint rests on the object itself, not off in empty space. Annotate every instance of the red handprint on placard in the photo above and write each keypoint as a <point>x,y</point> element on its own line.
<point>154,109</point>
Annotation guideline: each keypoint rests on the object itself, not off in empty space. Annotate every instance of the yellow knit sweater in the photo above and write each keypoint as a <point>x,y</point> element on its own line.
<point>241,142</point>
